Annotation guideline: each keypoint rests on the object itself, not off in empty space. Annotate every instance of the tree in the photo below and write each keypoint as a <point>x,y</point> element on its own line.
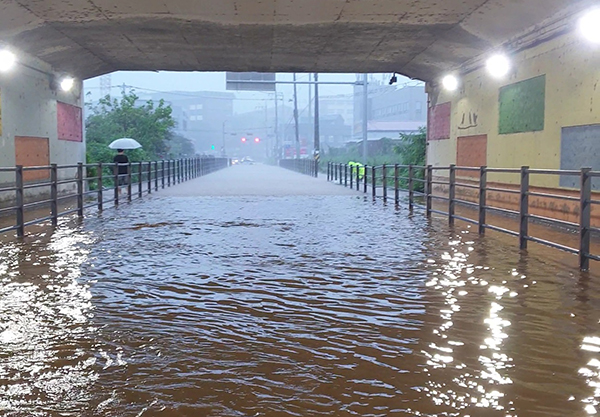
<point>112,119</point>
<point>413,151</point>
<point>180,146</point>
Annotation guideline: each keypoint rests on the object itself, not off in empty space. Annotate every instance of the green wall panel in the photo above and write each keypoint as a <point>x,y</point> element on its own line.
<point>522,106</point>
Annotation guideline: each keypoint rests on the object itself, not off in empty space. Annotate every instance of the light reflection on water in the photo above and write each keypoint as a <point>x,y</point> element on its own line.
<point>291,306</point>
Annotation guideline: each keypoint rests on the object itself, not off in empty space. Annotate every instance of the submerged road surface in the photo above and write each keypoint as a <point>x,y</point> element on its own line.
<point>221,298</point>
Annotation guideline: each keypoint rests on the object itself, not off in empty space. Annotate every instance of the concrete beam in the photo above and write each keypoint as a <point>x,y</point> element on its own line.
<point>419,39</point>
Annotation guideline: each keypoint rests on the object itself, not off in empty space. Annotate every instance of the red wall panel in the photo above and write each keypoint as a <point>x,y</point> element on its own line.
<point>70,126</point>
<point>439,121</point>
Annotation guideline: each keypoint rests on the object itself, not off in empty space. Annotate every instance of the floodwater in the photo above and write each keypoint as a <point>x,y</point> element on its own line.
<point>291,306</point>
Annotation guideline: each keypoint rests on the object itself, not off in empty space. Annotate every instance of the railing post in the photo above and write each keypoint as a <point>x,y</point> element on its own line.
<point>345,175</point>
<point>585,221</point>
<point>482,199</point>
<point>384,181</point>
<point>140,178</point>
<point>411,191</point>
<point>316,167</point>
<point>79,189</point>
<point>100,196</point>
<point>524,208</point>
<point>358,177</point>
<point>429,190</point>
<point>451,194</point>
<point>116,179</point>
<point>156,176</point>
<point>168,173</point>
<point>129,178</point>
<point>340,173</point>
<point>54,194</point>
<point>365,179</point>
<point>20,201</point>
<point>149,177</point>
<point>328,170</point>
<point>351,169</point>
<point>396,186</point>
<point>374,181</point>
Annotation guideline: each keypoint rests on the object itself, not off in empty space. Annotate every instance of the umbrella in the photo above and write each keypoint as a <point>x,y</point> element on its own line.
<point>125,143</point>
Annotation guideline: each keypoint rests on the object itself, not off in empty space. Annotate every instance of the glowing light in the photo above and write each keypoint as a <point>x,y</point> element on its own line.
<point>450,82</point>
<point>243,139</point>
<point>67,84</point>
<point>498,66</point>
<point>256,140</point>
<point>589,26</point>
<point>7,60</point>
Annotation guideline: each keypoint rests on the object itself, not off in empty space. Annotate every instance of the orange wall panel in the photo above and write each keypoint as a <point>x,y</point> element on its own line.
<point>33,151</point>
<point>471,151</point>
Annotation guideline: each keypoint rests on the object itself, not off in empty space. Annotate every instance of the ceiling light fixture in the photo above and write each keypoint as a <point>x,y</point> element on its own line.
<point>7,60</point>
<point>498,65</point>
<point>450,82</point>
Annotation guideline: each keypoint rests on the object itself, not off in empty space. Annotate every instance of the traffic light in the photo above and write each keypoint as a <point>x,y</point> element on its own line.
<point>212,147</point>
<point>256,140</point>
<point>244,140</point>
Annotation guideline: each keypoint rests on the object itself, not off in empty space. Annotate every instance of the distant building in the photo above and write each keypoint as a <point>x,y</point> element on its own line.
<point>333,133</point>
<point>199,116</point>
<point>391,110</point>
<point>342,105</point>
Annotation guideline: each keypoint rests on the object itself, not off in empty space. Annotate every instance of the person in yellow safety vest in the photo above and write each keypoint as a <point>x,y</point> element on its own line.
<point>359,166</point>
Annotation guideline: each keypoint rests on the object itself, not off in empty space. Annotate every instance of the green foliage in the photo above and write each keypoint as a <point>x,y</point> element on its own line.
<point>180,147</point>
<point>411,151</point>
<point>353,152</point>
<point>112,119</point>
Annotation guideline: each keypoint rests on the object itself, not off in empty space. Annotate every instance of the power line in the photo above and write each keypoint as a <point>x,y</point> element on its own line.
<point>190,95</point>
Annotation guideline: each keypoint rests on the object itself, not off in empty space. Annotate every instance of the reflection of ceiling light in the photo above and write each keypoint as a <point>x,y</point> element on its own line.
<point>589,26</point>
<point>450,82</point>
<point>7,60</point>
<point>498,66</point>
<point>67,84</point>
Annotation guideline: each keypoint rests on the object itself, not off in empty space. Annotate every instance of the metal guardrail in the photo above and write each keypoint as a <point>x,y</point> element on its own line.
<point>303,166</point>
<point>379,177</point>
<point>148,176</point>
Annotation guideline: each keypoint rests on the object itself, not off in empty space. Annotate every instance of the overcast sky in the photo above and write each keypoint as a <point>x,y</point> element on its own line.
<point>215,81</point>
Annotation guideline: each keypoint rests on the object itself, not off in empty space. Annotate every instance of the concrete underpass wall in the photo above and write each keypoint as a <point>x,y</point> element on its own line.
<point>40,124</point>
<point>545,114</point>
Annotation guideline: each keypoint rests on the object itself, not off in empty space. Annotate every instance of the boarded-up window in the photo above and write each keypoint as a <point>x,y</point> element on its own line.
<point>70,125</point>
<point>579,148</point>
<point>522,106</point>
<point>471,151</point>
<point>32,151</point>
<point>439,122</point>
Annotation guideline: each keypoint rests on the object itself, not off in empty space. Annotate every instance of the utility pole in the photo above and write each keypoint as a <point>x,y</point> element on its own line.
<point>317,145</point>
<point>223,147</point>
<point>276,152</point>
<point>296,118</point>
<point>365,122</point>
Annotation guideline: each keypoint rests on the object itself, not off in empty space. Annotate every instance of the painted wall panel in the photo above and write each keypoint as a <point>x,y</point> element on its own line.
<point>439,121</point>
<point>580,147</point>
<point>32,151</point>
<point>471,151</point>
<point>522,106</point>
<point>69,119</point>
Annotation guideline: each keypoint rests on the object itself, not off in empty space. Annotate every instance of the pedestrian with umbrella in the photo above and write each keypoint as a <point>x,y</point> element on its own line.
<point>121,159</point>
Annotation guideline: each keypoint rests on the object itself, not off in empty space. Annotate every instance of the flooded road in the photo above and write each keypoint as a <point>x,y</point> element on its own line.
<point>291,306</point>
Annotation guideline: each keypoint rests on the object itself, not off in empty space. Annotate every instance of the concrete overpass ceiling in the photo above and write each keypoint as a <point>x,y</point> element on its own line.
<point>418,38</point>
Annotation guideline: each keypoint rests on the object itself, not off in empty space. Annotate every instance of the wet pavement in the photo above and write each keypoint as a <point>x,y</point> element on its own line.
<point>290,305</point>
